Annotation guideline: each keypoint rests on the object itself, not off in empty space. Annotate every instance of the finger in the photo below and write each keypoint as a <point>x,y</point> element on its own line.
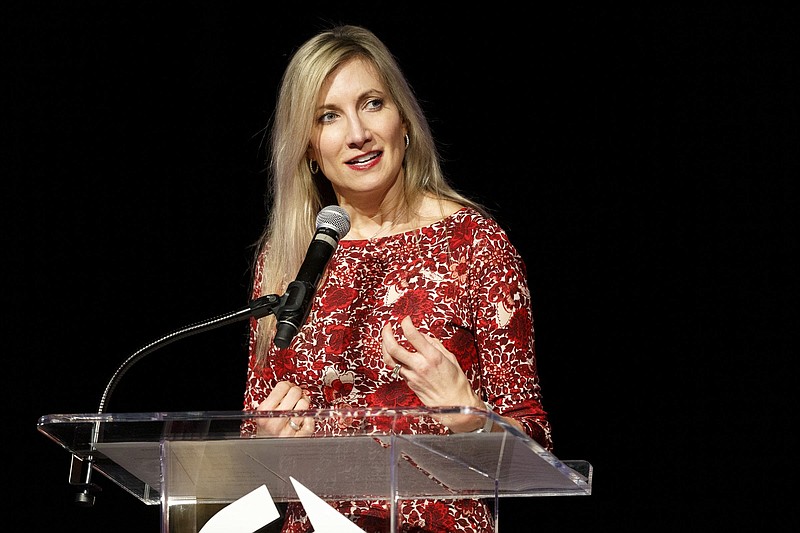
<point>307,427</point>
<point>298,423</point>
<point>390,348</point>
<point>440,346</point>
<point>270,425</point>
<point>419,341</point>
<point>396,372</point>
<point>292,395</point>
<point>393,348</point>
<point>285,396</point>
<point>426,345</point>
<point>386,331</point>
<point>277,395</point>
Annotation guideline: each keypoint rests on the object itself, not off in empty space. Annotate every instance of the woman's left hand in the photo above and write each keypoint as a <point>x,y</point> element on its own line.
<point>432,372</point>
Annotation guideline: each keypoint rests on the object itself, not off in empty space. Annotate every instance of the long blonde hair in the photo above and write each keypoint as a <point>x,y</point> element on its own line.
<point>294,195</point>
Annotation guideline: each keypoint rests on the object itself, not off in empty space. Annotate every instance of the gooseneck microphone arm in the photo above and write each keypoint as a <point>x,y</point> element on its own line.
<point>81,469</point>
<point>260,307</point>
<point>291,311</point>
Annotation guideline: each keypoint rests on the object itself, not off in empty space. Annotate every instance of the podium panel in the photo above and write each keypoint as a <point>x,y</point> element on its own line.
<point>193,463</point>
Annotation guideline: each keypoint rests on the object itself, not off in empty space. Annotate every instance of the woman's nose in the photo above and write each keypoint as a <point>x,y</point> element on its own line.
<point>358,134</point>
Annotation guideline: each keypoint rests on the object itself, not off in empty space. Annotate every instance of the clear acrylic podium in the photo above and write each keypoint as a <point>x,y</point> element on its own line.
<point>189,461</point>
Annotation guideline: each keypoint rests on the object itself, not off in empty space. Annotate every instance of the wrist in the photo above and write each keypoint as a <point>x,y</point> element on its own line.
<point>487,426</point>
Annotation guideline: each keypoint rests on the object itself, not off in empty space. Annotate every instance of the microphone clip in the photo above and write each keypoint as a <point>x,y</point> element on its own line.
<point>295,298</point>
<point>292,300</point>
<point>271,304</point>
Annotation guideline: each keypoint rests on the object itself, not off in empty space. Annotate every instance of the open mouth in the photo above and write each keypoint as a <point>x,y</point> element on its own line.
<point>364,159</point>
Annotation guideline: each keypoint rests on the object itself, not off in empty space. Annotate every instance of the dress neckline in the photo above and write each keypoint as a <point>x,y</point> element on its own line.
<point>403,234</point>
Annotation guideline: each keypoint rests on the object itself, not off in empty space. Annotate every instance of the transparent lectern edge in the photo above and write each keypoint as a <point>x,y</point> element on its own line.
<point>150,495</point>
<point>54,419</point>
<point>166,416</point>
<point>129,483</point>
<point>579,471</point>
<point>582,468</point>
<point>244,414</point>
<point>62,428</point>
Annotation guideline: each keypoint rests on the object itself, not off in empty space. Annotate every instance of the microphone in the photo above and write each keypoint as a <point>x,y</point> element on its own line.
<point>333,223</point>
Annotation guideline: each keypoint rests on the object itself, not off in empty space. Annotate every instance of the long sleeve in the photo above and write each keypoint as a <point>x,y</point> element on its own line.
<point>500,300</point>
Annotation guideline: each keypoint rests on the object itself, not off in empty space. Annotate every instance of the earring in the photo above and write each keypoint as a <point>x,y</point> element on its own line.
<point>313,166</point>
<point>407,139</point>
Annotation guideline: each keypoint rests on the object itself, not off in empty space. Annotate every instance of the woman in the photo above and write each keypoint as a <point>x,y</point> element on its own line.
<point>424,302</point>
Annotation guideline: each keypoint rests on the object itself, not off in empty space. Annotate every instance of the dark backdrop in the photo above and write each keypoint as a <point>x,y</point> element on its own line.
<point>642,159</point>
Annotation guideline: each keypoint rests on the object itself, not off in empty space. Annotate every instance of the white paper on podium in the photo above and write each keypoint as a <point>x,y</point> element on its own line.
<point>324,518</point>
<point>249,513</point>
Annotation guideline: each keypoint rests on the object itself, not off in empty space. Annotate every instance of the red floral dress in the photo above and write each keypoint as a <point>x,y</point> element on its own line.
<point>461,281</point>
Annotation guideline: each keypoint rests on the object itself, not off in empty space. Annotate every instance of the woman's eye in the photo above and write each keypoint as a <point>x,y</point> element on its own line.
<point>330,116</point>
<point>375,103</point>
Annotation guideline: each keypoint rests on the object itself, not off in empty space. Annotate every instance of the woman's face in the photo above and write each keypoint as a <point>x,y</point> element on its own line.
<point>358,135</point>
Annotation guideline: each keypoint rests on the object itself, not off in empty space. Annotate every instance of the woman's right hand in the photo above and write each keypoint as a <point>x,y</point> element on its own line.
<point>286,396</point>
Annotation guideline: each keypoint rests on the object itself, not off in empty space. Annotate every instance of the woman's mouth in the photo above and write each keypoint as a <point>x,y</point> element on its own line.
<point>365,161</point>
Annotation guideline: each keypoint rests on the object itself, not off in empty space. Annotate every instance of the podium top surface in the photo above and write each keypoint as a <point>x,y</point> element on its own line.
<point>356,453</point>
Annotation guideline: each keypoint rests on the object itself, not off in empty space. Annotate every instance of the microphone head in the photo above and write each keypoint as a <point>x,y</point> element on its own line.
<point>335,218</point>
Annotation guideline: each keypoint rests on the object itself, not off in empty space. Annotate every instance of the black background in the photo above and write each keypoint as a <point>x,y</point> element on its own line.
<point>643,161</point>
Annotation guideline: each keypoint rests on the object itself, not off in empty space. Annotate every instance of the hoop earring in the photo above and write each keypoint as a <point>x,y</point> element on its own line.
<point>408,141</point>
<point>313,166</point>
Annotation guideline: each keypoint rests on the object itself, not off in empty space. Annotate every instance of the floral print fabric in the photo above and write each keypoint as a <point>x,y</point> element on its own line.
<point>461,281</point>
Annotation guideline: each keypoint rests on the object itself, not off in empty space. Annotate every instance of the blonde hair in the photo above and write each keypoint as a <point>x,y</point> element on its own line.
<point>293,191</point>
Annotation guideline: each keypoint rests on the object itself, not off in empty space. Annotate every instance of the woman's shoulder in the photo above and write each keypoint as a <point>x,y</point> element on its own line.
<point>475,218</point>
<point>431,210</point>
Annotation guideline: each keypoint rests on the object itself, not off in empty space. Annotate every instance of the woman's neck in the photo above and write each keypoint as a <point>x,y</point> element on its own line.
<point>386,219</point>
<point>397,217</point>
